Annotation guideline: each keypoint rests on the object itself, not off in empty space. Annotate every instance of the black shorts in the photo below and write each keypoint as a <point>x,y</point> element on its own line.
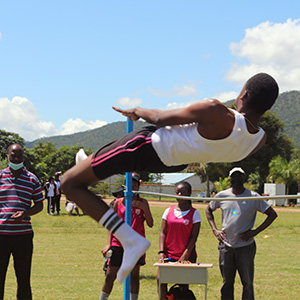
<point>131,153</point>
<point>117,256</point>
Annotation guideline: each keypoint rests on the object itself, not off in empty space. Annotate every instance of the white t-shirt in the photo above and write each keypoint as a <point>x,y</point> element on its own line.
<point>51,190</point>
<point>238,216</point>
<point>180,214</point>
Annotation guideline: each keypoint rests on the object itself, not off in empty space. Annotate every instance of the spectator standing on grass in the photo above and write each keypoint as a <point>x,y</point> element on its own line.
<point>20,197</point>
<point>237,247</point>
<point>50,192</point>
<point>58,193</point>
<point>179,231</point>
<point>140,213</point>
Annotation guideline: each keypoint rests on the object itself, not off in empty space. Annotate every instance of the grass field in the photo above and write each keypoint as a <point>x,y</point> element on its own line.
<point>67,260</point>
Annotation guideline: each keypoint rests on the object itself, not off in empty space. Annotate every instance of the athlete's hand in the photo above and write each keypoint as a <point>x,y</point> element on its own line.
<point>127,113</point>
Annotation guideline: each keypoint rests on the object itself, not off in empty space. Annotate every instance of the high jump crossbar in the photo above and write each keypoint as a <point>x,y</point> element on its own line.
<point>219,199</point>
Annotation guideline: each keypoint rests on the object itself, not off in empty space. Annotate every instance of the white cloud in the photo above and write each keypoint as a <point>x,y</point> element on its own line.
<point>129,102</point>
<point>0,35</point>
<point>186,90</point>
<point>20,116</point>
<point>271,48</point>
<point>226,96</point>
<point>174,105</point>
<point>77,125</point>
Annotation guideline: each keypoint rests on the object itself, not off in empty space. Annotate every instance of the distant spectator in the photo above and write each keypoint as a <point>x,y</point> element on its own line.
<point>50,192</point>
<point>70,206</point>
<point>58,193</point>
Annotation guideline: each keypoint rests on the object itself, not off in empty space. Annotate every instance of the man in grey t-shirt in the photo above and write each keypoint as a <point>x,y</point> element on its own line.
<point>237,247</point>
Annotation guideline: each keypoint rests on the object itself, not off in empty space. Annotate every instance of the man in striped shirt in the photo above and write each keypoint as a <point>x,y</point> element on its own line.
<point>18,189</point>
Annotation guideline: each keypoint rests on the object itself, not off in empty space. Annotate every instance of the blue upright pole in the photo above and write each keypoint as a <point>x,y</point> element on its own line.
<point>128,205</point>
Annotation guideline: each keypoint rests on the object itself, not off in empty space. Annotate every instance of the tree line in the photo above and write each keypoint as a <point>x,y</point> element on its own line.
<point>43,159</point>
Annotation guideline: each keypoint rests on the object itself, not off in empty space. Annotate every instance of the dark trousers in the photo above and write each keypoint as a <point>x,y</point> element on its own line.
<point>21,247</point>
<point>241,260</point>
<point>56,202</point>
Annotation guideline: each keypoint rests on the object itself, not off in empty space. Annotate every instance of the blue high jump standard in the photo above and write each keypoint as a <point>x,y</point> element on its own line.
<point>128,205</point>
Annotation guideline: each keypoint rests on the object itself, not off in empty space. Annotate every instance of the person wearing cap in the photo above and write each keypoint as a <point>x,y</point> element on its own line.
<point>206,131</point>
<point>237,247</point>
<point>119,192</point>
<point>140,213</point>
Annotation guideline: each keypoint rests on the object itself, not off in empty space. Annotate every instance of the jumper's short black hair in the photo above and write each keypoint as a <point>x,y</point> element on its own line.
<point>262,92</point>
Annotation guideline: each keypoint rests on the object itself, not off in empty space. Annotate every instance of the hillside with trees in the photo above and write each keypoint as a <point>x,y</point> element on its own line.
<point>93,139</point>
<point>287,107</point>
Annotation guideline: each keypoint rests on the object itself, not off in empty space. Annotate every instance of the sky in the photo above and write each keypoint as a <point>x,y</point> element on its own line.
<point>63,64</point>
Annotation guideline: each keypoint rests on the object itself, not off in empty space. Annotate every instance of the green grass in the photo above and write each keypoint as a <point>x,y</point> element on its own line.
<point>67,260</point>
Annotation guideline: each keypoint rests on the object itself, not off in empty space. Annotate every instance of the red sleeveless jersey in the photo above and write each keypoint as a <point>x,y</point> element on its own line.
<point>137,222</point>
<point>179,232</point>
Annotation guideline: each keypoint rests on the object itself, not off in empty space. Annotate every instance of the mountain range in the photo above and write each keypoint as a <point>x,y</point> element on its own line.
<point>287,107</point>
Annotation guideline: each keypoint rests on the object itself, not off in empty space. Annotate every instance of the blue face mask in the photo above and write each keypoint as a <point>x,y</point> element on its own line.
<point>16,166</point>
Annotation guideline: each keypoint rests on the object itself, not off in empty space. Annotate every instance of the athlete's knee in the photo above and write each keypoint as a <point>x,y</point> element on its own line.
<point>64,184</point>
<point>68,182</point>
<point>78,177</point>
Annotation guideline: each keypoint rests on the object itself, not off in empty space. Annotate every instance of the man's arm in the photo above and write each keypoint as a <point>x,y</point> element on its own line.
<point>219,234</point>
<point>271,216</point>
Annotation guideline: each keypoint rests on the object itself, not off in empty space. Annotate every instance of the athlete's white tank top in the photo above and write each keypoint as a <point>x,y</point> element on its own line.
<point>182,144</point>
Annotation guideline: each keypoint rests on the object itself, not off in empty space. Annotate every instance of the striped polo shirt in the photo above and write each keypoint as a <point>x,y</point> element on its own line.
<point>16,194</point>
